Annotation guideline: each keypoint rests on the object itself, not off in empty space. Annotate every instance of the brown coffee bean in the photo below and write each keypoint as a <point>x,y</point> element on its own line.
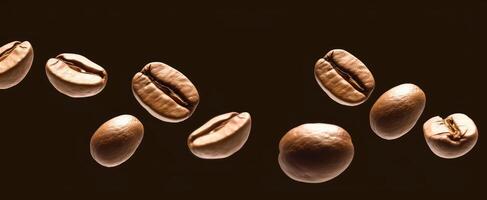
<point>116,140</point>
<point>220,137</point>
<point>451,137</point>
<point>15,62</point>
<point>76,76</point>
<point>165,92</point>
<point>315,153</point>
<point>396,111</point>
<point>344,78</point>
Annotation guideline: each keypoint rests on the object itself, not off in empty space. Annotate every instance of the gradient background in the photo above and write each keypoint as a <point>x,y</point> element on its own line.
<point>254,57</point>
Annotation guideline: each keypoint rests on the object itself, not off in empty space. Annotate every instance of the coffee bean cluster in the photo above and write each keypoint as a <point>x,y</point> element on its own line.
<point>311,153</point>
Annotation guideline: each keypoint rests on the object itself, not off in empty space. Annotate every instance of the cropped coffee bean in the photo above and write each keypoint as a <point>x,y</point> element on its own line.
<point>344,78</point>
<point>15,62</point>
<point>451,137</point>
<point>396,111</point>
<point>220,137</point>
<point>76,76</point>
<point>164,92</point>
<point>116,140</point>
<point>315,153</point>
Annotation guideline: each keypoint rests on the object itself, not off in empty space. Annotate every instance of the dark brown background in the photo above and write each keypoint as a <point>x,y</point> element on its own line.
<point>255,57</point>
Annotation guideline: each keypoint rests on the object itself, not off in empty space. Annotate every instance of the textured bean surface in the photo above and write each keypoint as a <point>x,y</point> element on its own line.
<point>75,75</point>
<point>396,111</point>
<point>165,93</point>
<point>315,153</point>
<point>344,78</point>
<point>220,137</point>
<point>451,137</point>
<point>116,140</point>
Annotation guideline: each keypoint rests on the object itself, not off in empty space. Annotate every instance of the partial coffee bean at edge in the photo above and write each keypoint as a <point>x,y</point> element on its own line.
<point>344,78</point>
<point>15,62</point>
<point>451,137</point>
<point>220,137</point>
<point>75,75</point>
<point>164,92</point>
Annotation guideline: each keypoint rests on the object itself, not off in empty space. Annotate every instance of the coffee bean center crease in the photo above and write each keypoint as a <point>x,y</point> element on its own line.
<point>80,67</point>
<point>7,52</point>
<point>347,76</point>
<point>214,127</point>
<point>173,93</point>
<point>455,133</point>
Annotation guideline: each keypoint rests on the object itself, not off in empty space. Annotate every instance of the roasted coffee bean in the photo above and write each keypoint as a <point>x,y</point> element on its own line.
<point>165,92</point>
<point>220,137</point>
<point>344,78</point>
<point>76,76</point>
<point>116,140</point>
<point>396,111</point>
<point>451,137</point>
<point>15,62</point>
<point>315,153</point>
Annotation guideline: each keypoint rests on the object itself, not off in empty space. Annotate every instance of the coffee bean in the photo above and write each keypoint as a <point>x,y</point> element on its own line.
<point>344,78</point>
<point>451,137</point>
<point>116,140</point>
<point>315,153</point>
<point>396,111</point>
<point>220,137</point>
<point>165,92</point>
<point>76,76</point>
<point>15,62</point>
